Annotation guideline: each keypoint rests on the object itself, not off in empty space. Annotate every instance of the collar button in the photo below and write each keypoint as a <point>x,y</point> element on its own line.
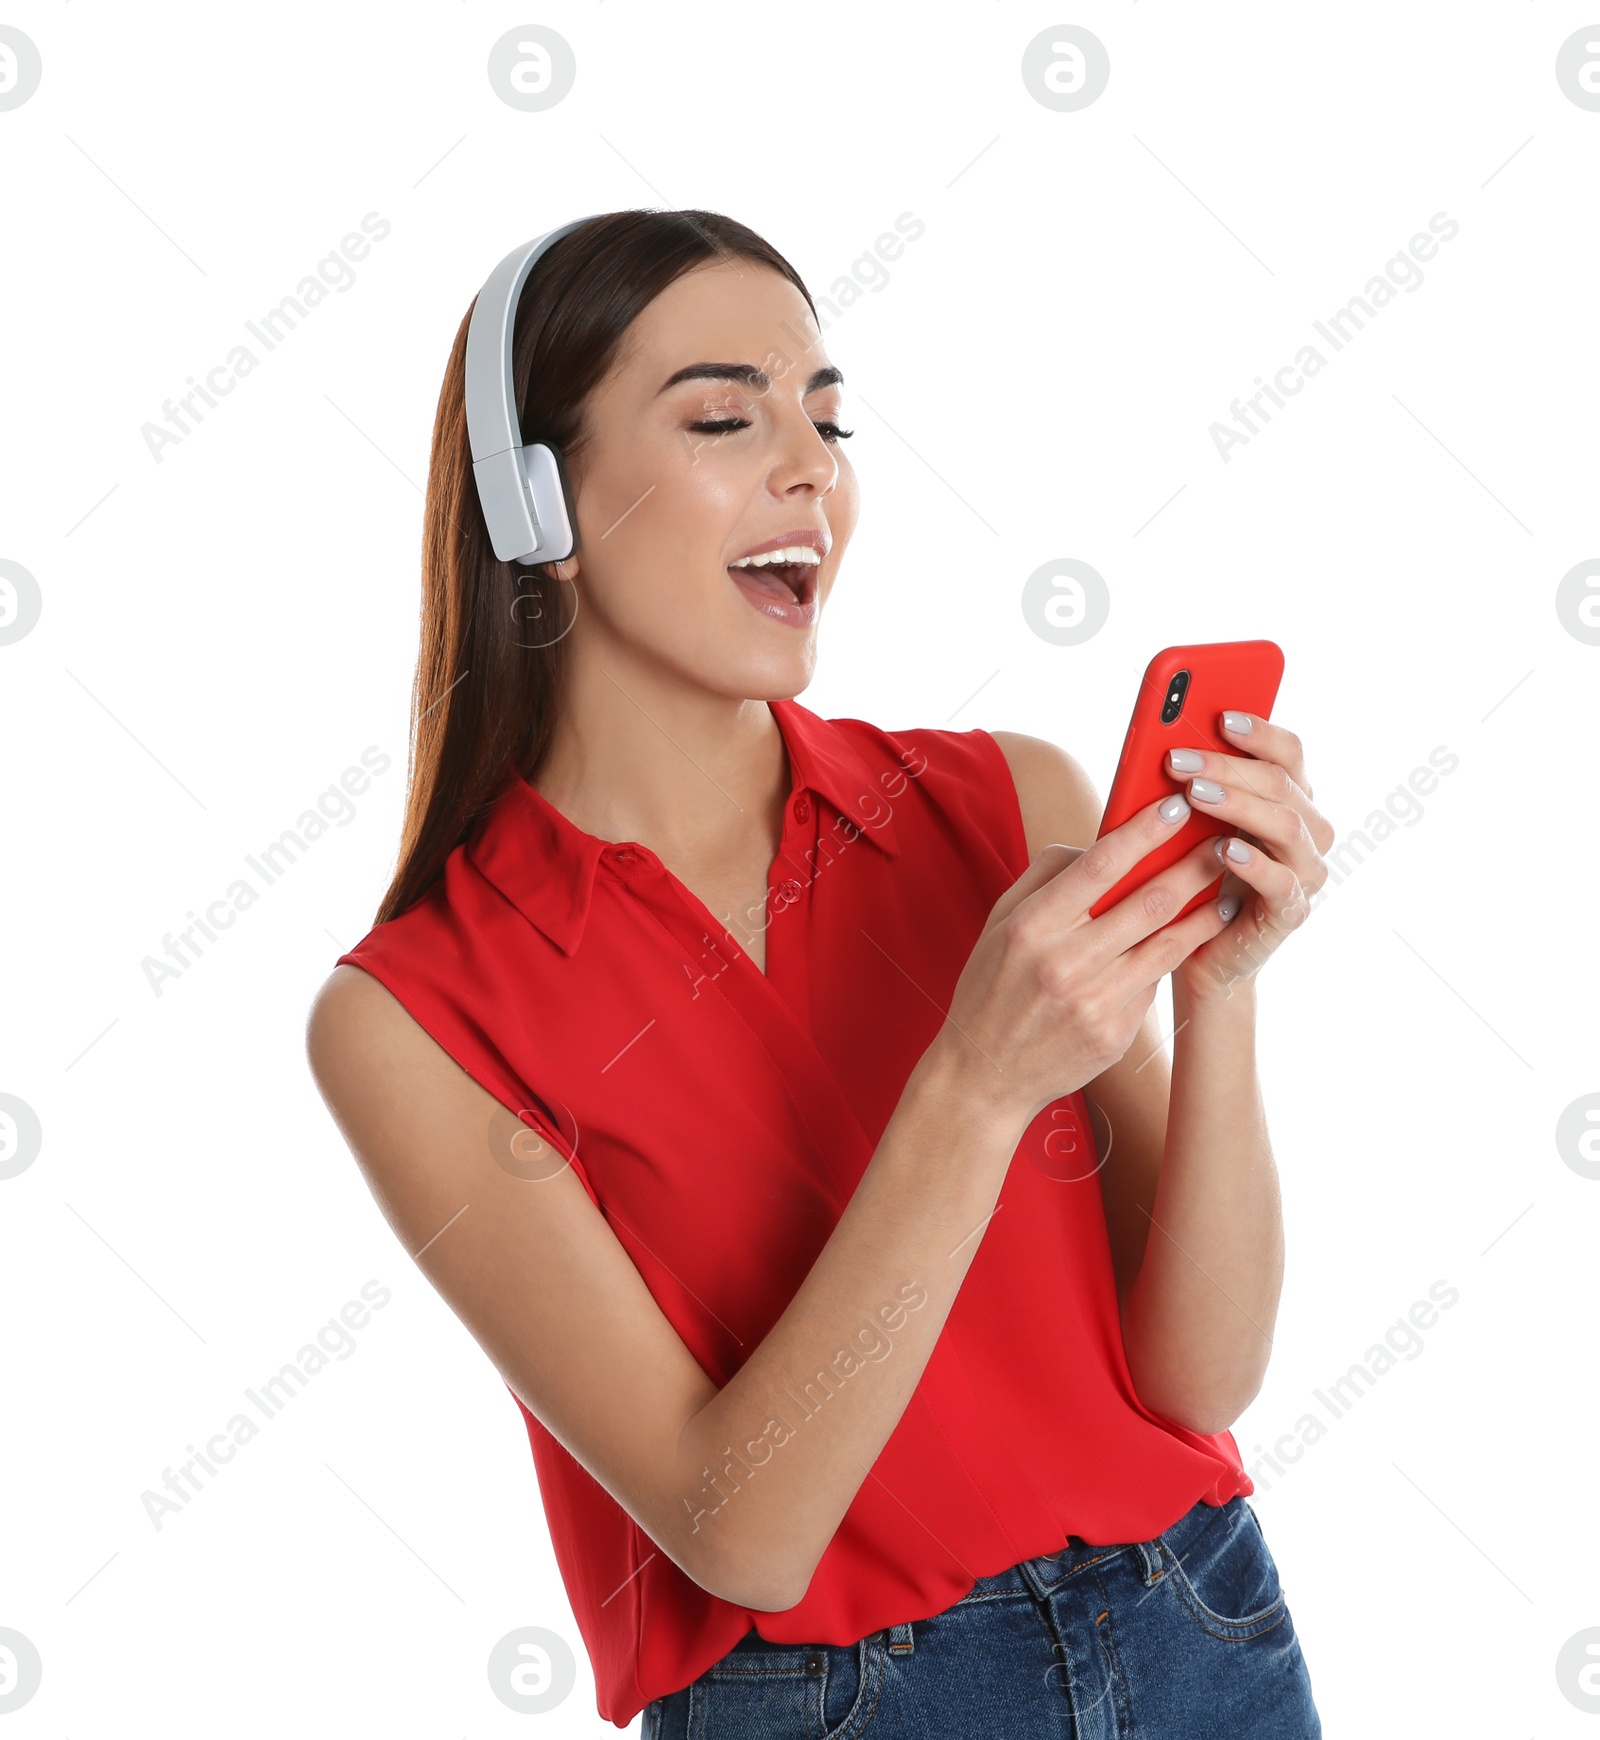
<point>635,861</point>
<point>802,809</point>
<point>629,860</point>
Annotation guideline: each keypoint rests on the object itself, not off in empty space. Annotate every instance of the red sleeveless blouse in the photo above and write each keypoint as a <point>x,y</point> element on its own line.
<point>720,1118</point>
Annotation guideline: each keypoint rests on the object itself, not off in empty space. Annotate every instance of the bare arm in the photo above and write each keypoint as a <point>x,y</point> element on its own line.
<point>1197,1320</point>
<point>542,1283</point>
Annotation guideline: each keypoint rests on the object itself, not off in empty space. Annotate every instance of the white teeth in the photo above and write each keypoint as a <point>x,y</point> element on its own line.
<point>796,553</point>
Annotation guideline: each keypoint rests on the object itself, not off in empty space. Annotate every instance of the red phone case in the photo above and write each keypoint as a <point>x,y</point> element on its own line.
<point>1230,674</point>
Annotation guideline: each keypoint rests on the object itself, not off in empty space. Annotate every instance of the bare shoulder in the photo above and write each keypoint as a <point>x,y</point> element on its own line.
<point>346,997</point>
<point>356,1025</point>
<point>1058,800</point>
<point>390,1086</point>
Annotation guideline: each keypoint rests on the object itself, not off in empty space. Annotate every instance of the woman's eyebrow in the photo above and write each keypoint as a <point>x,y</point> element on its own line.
<point>748,375</point>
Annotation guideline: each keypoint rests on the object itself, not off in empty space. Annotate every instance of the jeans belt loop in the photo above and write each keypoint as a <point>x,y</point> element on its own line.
<point>901,1642</point>
<point>1150,1553</point>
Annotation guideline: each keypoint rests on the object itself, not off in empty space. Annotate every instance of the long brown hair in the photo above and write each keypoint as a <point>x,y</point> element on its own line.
<point>484,701</point>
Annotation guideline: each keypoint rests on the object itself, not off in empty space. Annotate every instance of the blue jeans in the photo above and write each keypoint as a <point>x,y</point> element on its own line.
<point>1184,1637</point>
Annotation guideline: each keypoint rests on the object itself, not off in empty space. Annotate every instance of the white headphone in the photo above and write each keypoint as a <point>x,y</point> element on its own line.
<point>522,490</point>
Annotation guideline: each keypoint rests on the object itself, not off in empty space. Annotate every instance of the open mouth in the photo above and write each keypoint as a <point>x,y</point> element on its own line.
<point>788,582</point>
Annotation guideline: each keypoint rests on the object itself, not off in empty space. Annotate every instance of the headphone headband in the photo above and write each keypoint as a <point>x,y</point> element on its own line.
<point>521,489</point>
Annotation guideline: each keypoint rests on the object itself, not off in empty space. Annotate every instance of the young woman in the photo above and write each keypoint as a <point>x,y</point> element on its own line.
<point>757,1091</point>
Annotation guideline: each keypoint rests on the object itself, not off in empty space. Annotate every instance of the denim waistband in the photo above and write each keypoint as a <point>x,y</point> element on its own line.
<point>1048,1571</point>
<point>1042,1575</point>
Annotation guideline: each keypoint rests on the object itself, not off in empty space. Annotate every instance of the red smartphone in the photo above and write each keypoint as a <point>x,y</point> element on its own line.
<point>1182,696</point>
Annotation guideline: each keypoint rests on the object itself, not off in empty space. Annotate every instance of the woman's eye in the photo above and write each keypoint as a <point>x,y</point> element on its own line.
<point>830,432</point>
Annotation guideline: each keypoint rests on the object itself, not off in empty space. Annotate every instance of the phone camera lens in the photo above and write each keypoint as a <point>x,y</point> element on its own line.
<point>1174,701</point>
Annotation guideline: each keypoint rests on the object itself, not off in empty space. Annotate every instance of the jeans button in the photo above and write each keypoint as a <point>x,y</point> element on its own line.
<point>814,1662</point>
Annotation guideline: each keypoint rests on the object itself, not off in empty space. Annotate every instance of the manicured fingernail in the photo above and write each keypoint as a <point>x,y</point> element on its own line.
<point>1185,760</point>
<point>1174,808</point>
<point>1239,722</point>
<point>1239,852</point>
<point>1227,906</point>
<point>1206,790</point>
<point>1219,843</point>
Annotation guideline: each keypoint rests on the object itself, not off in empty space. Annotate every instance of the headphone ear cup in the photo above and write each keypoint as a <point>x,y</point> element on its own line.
<point>525,504</point>
<point>554,522</point>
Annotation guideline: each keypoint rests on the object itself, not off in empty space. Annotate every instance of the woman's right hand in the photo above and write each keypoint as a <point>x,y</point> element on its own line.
<point>1049,996</point>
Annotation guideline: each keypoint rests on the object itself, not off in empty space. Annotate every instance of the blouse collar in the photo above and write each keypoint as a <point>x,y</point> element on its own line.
<point>545,865</point>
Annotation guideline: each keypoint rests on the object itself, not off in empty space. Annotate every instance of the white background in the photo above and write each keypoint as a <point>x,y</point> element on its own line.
<point>223,633</point>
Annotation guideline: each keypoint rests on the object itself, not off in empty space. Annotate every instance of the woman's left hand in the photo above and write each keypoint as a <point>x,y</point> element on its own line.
<point>1266,801</point>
